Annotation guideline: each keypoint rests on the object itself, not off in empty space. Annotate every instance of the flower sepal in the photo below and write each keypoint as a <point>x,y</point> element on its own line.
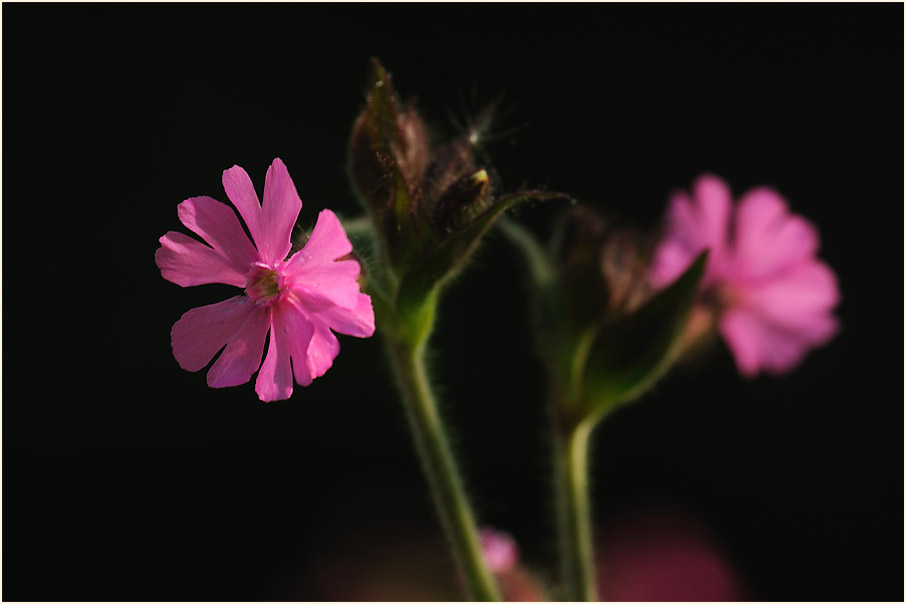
<point>449,255</point>
<point>605,337</point>
<point>429,207</point>
<point>388,154</point>
<point>628,355</point>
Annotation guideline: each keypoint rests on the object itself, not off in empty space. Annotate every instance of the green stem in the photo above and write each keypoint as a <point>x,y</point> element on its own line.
<point>575,514</point>
<point>440,467</point>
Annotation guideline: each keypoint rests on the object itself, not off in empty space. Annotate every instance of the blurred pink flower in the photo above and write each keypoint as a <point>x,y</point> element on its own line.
<point>499,550</point>
<point>774,299</point>
<point>501,554</point>
<point>664,556</point>
<point>299,299</point>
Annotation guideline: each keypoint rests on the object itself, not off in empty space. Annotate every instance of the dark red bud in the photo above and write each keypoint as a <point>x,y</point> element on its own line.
<point>464,199</point>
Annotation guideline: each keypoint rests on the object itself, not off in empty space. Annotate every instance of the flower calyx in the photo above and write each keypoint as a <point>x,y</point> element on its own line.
<point>604,334</point>
<point>429,204</point>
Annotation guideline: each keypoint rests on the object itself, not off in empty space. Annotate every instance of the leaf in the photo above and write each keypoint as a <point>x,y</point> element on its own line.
<point>631,353</point>
<point>446,257</point>
<point>540,266</point>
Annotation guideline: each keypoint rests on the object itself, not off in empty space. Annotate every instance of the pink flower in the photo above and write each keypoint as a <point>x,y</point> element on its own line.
<point>773,298</point>
<point>299,299</point>
<point>663,556</point>
<point>499,550</point>
<point>501,554</point>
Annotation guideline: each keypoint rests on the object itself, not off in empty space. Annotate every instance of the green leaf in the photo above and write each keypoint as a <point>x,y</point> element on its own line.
<point>631,353</point>
<point>540,266</point>
<point>560,344</point>
<point>440,262</point>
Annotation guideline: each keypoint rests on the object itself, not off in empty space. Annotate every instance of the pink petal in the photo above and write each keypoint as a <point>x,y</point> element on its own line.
<point>693,225</point>
<point>241,191</point>
<point>322,350</point>
<point>279,212</point>
<point>218,225</point>
<point>498,549</point>
<point>769,238</point>
<point>327,243</point>
<point>758,345</point>
<point>292,318</point>
<point>713,204</point>
<point>671,258</point>
<point>800,300</point>
<point>242,355</point>
<point>313,272</point>
<point>325,317</point>
<point>773,324</point>
<point>682,224</point>
<point>334,281</point>
<point>275,378</point>
<point>185,262</point>
<point>358,322</point>
<point>201,332</point>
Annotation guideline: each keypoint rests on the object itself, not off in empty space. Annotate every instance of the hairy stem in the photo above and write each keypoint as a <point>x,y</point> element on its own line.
<point>440,468</point>
<point>574,513</point>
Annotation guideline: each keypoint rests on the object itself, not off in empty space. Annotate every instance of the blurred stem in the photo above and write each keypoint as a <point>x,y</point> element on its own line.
<point>574,512</point>
<point>438,463</point>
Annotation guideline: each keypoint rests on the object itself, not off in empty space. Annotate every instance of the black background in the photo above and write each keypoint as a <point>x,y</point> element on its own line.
<point>126,478</point>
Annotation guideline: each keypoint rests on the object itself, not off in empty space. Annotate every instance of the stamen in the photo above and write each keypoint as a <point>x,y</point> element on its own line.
<point>262,283</point>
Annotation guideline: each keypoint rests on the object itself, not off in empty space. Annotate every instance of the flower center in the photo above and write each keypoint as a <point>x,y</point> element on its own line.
<point>263,284</point>
<point>718,297</point>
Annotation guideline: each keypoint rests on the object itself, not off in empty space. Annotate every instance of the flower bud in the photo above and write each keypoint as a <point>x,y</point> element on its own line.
<point>463,200</point>
<point>448,163</point>
<point>501,554</point>
<point>388,149</point>
<point>625,259</point>
<point>499,550</point>
<point>606,337</point>
<point>604,270</point>
<point>429,207</point>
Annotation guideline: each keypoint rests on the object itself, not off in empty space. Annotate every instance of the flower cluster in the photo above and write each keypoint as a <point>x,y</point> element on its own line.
<point>613,309</point>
